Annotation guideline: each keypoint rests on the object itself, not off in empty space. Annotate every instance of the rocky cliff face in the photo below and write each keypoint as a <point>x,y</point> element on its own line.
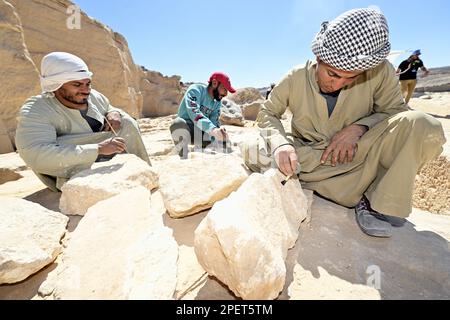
<point>18,73</point>
<point>437,81</point>
<point>45,30</point>
<point>31,29</point>
<point>162,95</point>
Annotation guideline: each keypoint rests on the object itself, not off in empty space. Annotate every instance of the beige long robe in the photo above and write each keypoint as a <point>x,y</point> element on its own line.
<point>56,142</point>
<point>389,155</point>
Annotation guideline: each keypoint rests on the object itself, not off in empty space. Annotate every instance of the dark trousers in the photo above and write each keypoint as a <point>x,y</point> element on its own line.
<point>184,132</point>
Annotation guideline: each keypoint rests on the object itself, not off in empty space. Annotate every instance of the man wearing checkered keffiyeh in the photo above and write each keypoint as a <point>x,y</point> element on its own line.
<point>353,140</point>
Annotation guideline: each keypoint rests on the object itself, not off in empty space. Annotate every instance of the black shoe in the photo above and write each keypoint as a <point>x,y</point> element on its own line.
<point>371,222</point>
<point>396,222</point>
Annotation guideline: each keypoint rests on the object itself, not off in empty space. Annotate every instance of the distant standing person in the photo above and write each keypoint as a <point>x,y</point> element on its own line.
<point>198,114</point>
<point>270,90</point>
<point>408,74</point>
<point>70,125</point>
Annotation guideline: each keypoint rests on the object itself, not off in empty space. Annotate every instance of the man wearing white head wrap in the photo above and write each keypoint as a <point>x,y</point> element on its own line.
<point>70,126</point>
<point>58,68</point>
<point>353,140</point>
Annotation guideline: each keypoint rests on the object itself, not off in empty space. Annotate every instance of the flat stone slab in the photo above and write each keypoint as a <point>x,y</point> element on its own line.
<point>29,238</point>
<point>119,250</point>
<point>194,185</point>
<point>105,180</point>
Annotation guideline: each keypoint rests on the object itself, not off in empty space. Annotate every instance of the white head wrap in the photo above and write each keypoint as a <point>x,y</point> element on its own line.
<point>58,68</point>
<point>356,40</point>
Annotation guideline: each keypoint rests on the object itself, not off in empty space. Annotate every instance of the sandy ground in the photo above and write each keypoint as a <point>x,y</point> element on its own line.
<point>314,272</point>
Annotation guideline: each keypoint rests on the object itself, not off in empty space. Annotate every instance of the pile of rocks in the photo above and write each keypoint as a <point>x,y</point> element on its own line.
<point>120,249</point>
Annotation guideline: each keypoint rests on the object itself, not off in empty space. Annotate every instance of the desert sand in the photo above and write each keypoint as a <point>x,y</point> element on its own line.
<point>332,258</point>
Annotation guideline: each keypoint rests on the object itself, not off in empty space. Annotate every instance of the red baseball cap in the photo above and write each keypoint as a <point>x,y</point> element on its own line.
<point>223,79</point>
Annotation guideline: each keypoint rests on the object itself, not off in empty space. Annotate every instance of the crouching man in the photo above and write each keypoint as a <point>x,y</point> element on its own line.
<point>70,126</point>
<point>198,116</point>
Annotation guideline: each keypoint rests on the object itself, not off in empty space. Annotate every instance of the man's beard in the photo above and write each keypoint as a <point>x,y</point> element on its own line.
<point>71,98</point>
<point>216,94</point>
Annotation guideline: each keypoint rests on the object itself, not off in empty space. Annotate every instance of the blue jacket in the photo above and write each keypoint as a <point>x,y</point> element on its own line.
<point>199,108</point>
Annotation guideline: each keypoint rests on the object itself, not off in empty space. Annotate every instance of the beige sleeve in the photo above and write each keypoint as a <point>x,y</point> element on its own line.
<point>269,118</point>
<point>388,99</point>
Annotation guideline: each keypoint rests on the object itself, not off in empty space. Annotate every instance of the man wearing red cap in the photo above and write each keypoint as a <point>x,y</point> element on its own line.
<point>198,115</point>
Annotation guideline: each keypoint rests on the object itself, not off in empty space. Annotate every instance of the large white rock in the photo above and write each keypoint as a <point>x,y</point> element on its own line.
<point>251,110</point>
<point>162,95</point>
<point>120,250</point>
<point>231,114</point>
<point>245,238</point>
<point>105,180</point>
<point>245,95</point>
<point>193,185</point>
<point>29,238</point>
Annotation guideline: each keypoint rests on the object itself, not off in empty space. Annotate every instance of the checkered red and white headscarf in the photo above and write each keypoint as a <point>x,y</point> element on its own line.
<point>357,40</point>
